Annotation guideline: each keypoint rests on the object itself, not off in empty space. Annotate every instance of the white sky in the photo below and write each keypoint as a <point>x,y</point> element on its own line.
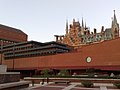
<point>42,19</point>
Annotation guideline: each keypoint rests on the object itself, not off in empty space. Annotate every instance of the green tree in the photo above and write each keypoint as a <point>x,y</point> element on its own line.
<point>63,72</point>
<point>45,72</point>
<point>87,84</point>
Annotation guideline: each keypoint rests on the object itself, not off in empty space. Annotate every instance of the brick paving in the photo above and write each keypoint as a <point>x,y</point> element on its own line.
<point>47,88</point>
<point>62,87</point>
<point>72,86</point>
<point>58,84</point>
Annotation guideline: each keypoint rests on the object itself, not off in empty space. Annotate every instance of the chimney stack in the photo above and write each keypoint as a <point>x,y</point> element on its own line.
<point>56,36</point>
<point>88,32</point>
<point>95,31</point>
<point>102,29</point>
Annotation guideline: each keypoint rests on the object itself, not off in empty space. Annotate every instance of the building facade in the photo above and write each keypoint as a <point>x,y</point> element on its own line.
<point>9,35</point>
<point>94,50</point>
<point>103,56</point>
<point>77,34</point>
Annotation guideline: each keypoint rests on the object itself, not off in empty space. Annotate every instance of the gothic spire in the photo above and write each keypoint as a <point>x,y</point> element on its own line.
<point>82,22</point>
<point>66,26</point>
<point>85,25</point>
<point>112,22</point>
<point>114,19</point>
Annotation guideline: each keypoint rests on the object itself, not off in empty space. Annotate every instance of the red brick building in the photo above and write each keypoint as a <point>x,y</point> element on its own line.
<point>79,34</point>
<point>104,56</point>
<point>30,57</point>
<point>9,35</point>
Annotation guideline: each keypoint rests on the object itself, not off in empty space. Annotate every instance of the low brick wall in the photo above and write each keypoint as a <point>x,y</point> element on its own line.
<point>79,80</point>
<point>6,78</point>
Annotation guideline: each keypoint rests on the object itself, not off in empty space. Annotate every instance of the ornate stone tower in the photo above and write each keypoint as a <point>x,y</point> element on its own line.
<point>115,27</point>
<point>72,34</point>
<point>77,35</point>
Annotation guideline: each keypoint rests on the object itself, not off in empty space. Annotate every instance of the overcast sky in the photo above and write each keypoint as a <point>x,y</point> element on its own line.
<point>42,19</point>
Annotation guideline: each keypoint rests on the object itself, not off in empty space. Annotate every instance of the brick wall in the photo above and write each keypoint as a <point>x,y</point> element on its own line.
<point>14,35</point>
<point>105,55</point>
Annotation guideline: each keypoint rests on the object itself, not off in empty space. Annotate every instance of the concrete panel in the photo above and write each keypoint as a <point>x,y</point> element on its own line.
<point>3,68</point>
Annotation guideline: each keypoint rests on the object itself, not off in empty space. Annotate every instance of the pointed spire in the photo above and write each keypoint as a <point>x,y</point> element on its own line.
<point>114,11</point>
<point>115,19</point>
<point>82,22</point>
<point>82,27</point>
<point>112,22</point>
<point>115,27</point>
<point>85,25</point>
<point>66,26</point>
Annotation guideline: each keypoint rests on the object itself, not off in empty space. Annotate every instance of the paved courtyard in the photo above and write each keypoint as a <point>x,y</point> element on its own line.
<point>72,86</point>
